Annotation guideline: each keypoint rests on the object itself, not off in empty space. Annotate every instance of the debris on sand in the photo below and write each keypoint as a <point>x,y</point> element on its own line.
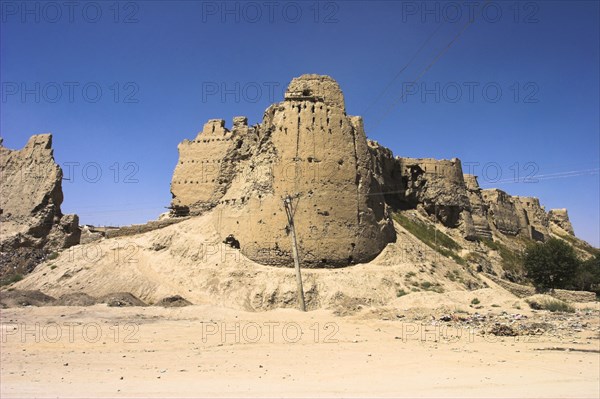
<point>174,302</point>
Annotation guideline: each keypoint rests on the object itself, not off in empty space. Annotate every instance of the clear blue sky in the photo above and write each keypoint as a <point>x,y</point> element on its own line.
<point>161,67</point>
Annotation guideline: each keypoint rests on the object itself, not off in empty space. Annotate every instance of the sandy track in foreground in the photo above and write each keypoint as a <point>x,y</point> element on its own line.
<point>162,354</point>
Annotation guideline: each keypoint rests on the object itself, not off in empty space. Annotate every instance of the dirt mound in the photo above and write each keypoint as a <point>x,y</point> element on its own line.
<point>502,330</point>
<point>121,299</point>
<point>76,299</point>
<point>174,301</point>
<point>17,298</point>
<point>195,267</point>
<point>408,273</point>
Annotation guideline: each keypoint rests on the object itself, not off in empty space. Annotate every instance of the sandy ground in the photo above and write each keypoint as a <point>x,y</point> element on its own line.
<point>207,351</point>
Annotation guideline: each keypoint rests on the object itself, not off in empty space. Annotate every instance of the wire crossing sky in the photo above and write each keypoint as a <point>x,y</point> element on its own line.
<point>509,87</point>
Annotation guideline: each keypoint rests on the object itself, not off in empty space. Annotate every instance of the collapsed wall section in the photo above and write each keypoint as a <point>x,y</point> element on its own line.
<point>502,212</point>
<point>560,218</point>
<point>439,188</point>
<point>516,216</point>
<point>479,208</point>
<point>536,221</point>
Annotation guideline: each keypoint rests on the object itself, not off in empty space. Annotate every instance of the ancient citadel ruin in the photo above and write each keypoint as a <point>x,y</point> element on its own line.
<point>354,202</point>
<point>346,185</point>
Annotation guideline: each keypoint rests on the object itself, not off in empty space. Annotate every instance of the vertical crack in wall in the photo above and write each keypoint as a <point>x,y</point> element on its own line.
<point>297,158</point>
<point>358,177</point>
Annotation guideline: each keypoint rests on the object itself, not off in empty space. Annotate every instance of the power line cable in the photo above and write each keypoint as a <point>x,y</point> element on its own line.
<point>431,64</point>
<point>550,176</point>
<point>385,89</point>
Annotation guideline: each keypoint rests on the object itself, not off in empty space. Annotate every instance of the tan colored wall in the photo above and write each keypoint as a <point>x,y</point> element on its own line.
<point>450,170</point>
<point>479,209</point>
<point>502,211</point>
<point>306,146</point>
<point>30,178</point>
<point>536,217</point>
<point>208,164</point>
<point>140,228</point>
<point>560,217</point>
<point>31,221</point>
<point>513,215</point>
<point>197,174</point>
<point>438,187</point>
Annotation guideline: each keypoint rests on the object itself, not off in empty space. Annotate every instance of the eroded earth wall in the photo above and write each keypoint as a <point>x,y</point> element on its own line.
<point>31,220</point>
<point>305,147</point>
<point>343,186</point>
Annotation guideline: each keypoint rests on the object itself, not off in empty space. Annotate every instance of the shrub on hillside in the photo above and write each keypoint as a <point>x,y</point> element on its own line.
<point>587,276</point>
<point>551,304</point>
<point>552,264</point>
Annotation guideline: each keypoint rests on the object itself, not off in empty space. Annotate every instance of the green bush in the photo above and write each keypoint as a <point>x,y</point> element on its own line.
<point>587,276</point>
<point>426,233</point>
<point>553,305</point>
<point>431,236</point>
<point>580,244</point>
<point>52,256</point>
<point>429,286</point>
<point>475,301</point>
<point>512,261</point>
<point>552,264</point>
<point>453,275</point>
<point>555,264</point>
<point>491,244</point>
<point>11,279</point>
<point>400,293</point>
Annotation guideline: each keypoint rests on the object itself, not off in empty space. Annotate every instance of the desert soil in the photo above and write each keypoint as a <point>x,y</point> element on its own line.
<point>194,351</point>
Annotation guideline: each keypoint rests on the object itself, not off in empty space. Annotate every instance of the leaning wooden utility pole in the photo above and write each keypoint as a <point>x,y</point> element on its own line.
<point>287,202</point>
